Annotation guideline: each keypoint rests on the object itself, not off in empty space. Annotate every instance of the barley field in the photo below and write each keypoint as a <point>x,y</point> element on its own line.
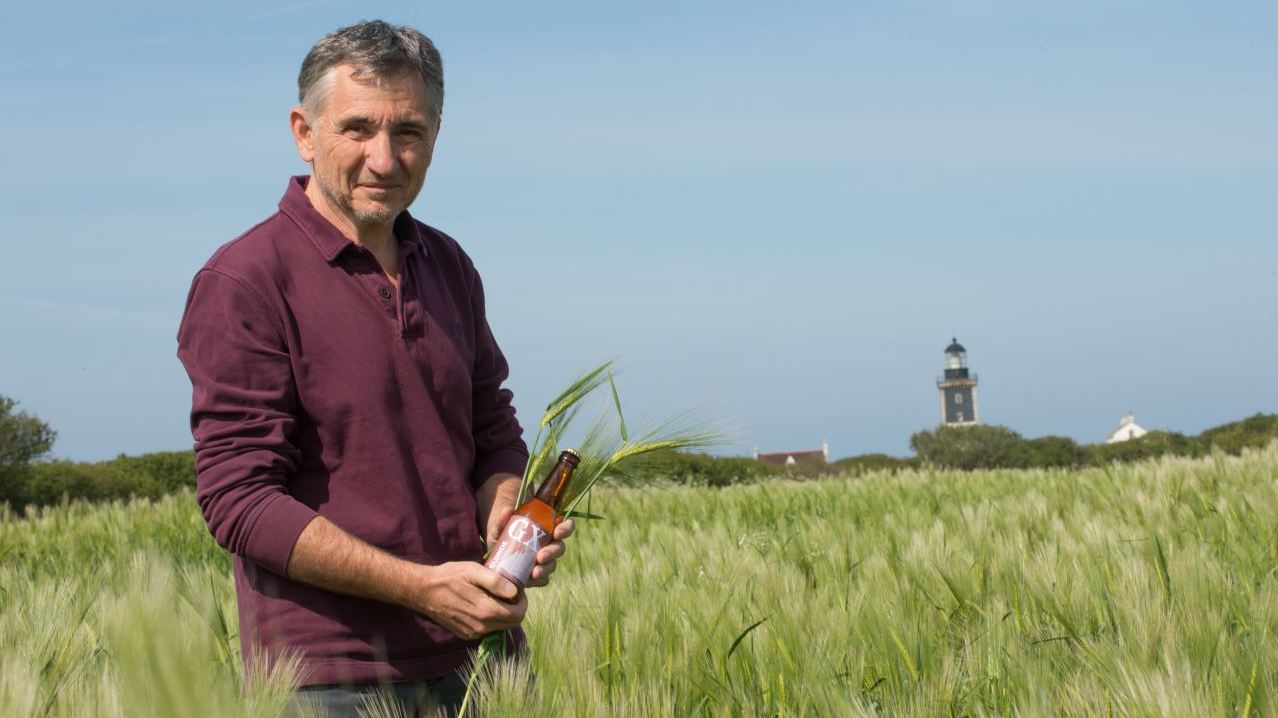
<point>1138,590</point>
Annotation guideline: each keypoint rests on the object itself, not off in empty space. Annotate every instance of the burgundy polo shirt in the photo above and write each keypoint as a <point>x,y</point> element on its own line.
<point>320,388</point>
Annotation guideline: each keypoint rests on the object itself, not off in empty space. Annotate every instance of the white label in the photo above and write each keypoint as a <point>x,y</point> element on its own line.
<point>516,552</point>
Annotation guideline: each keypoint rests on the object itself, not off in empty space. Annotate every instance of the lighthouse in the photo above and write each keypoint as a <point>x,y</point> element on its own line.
<point>958,389</point>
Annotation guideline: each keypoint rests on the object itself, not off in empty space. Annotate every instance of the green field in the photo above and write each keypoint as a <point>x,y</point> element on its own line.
<point>1142,590</point>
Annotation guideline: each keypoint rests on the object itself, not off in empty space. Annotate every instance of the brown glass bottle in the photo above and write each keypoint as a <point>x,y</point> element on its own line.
<point>532,525</point>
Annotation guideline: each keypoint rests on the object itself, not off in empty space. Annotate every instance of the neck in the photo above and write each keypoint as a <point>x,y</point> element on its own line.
<point>377,238</point>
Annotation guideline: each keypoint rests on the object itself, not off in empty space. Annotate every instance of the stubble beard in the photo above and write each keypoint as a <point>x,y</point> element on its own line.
<point>381,215</point>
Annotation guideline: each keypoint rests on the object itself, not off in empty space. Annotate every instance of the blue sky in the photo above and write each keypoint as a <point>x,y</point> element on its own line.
<point>779,213</point>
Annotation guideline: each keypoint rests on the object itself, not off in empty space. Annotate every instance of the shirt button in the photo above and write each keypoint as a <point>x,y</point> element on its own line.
<point>383,292</point>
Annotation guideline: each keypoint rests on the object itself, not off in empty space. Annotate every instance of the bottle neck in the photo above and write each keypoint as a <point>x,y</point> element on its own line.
<point>553,488</point>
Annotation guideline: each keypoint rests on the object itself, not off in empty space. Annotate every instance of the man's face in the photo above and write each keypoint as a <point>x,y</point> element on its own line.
<point>369,146</point>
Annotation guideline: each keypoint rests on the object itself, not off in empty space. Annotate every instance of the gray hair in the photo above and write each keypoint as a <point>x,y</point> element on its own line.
<point>375,49</point>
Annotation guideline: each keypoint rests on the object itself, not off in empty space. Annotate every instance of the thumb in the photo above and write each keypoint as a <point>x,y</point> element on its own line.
<point>498,523</point>
<point>494,583</point>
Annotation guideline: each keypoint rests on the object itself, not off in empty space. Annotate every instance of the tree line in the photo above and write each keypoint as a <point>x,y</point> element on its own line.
<point>27,479</point>
<point>998,447</point>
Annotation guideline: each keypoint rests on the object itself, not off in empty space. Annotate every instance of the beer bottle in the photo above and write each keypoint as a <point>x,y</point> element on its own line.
<point>532,524</point>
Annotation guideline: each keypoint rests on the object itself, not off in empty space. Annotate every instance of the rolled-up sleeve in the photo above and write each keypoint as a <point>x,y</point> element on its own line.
<point>243,418</point>
<point>499,445</point>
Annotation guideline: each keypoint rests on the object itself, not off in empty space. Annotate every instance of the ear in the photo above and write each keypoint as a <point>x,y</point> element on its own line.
<point>303,133</point>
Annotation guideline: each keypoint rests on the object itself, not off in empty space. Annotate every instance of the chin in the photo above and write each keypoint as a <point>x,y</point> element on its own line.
<point>376,215</point>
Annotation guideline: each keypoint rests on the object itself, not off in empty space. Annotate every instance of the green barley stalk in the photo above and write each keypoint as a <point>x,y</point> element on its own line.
<point>606,450</point>
<point>555,420</point>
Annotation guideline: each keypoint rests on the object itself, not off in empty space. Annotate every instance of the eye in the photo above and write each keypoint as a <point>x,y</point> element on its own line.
<point>411,134</point>
<point>357,131</point>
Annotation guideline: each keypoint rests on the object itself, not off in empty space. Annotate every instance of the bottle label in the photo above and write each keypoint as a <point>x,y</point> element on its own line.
<point>516,552</point>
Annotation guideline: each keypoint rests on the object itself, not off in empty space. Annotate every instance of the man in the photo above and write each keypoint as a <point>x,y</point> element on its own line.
<point>354,444</point>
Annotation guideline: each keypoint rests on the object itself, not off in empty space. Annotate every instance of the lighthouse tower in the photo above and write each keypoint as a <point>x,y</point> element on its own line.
<point>958,389</point>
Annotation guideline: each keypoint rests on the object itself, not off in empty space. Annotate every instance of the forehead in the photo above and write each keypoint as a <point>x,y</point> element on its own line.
<point>402,94</point>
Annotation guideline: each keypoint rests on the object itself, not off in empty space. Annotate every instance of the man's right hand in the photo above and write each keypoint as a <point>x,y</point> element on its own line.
<point>462,596</point>
<point>469,600</point>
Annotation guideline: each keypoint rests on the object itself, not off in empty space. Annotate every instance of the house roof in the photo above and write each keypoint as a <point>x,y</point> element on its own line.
<point>955,347</point>
<point>781,457</point>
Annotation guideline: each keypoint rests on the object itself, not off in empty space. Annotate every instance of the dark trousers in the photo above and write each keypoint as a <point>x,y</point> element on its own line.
<point>427,699</point>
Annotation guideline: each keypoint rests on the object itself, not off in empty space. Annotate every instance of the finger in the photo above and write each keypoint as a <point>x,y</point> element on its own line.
<point>472,629</point>
<point>519,595</point>
<point>520,607</point>
<point>503,614</point>
<point>540,575</point>
<point>550,553</point>
<point>564,529</point>
<point>465,627</point>
<point>492,582</point>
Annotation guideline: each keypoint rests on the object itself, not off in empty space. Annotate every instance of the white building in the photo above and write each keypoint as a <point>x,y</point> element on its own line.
<point>1127,430</point>
<point>789,459</point>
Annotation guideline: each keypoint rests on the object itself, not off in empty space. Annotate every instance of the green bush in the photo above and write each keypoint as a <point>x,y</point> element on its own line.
<point>1151,445</point>
<point>997,447</point>
<point>701,470</point>
<point>1051,451</point>
<point>1254,432</point>
<point>969,447</point>
<point>149,475</point>
<point>168,470</point>
<point>865,463</point>
<point>51,482</point>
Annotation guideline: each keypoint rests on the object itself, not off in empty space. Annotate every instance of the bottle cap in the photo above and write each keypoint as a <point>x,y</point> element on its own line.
<point>570,454</point>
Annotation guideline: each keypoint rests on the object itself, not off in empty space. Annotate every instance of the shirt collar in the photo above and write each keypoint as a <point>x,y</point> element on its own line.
<point>328,240</point>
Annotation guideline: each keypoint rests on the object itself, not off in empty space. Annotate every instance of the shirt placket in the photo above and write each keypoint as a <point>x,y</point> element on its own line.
<point>374,279</point>
<point>408,297</point>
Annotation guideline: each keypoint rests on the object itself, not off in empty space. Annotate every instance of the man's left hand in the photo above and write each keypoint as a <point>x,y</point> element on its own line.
<point>547,557</point>
<point>496,500</point>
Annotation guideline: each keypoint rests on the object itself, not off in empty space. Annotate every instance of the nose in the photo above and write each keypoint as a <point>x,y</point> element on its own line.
<point>379,155</point>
